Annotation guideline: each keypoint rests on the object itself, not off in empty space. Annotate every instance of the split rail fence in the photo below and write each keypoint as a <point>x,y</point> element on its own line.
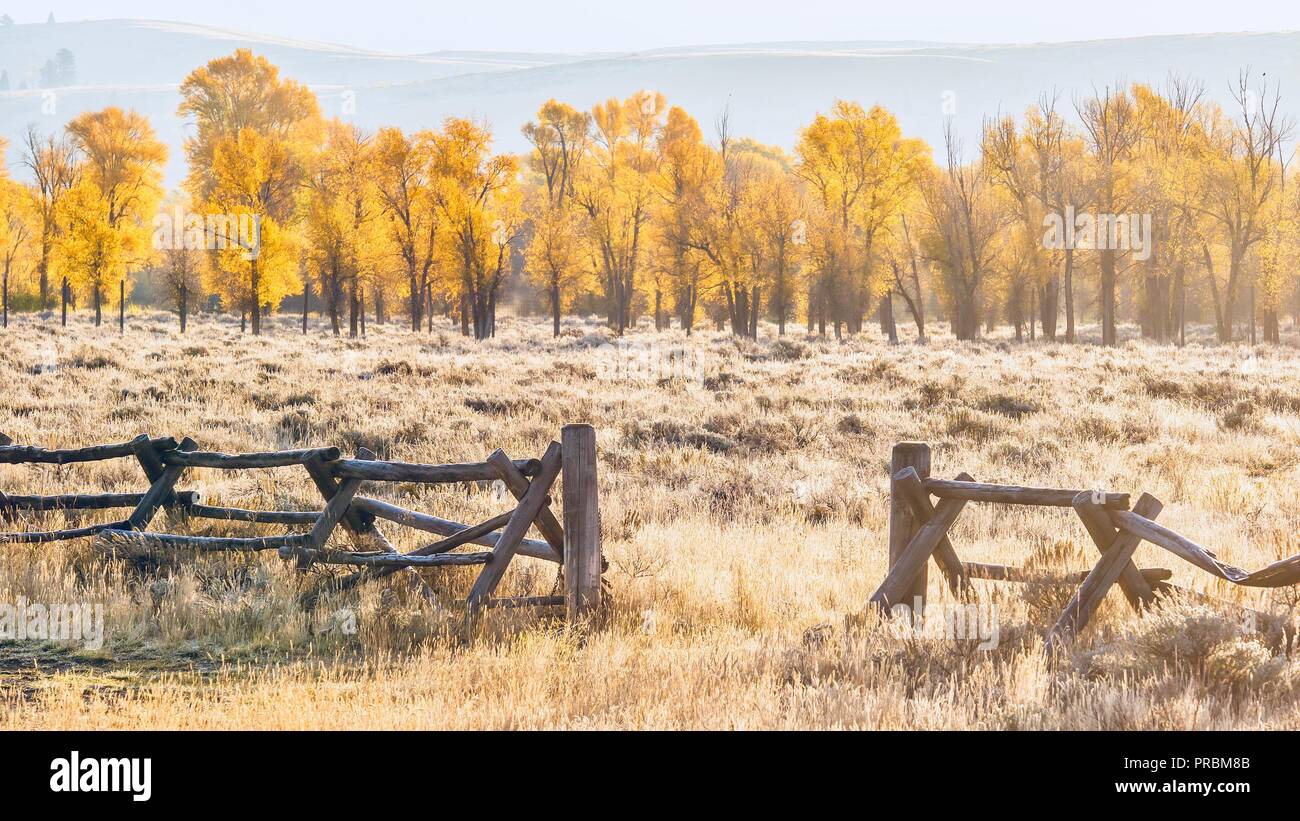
<point>574,543</point>
<point>919,528</point>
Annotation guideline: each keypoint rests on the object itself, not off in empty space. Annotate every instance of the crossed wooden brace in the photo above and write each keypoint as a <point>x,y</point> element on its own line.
<point>533,507</point>
<point>931,539</point>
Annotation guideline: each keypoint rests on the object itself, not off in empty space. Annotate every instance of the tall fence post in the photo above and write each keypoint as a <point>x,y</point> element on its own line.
<point>902,523</point>
<point>582,556</point>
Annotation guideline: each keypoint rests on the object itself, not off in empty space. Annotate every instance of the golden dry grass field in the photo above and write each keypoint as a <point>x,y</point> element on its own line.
<point>744,519</point>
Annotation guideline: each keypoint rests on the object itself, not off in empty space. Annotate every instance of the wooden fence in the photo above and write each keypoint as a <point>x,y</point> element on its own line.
<point>573,544</point>
<point>918,531</point>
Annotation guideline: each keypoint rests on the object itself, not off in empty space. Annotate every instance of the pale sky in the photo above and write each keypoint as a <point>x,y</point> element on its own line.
<point>617,25</point>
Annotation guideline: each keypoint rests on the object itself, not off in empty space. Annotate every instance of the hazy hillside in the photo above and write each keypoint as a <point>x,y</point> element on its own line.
<point>771,88</point>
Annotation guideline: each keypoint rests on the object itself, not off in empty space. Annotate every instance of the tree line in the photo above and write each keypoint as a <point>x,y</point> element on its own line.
<point>1137,203</point>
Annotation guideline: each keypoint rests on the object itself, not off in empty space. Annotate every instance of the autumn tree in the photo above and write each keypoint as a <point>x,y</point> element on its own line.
<point>481,208</point>
<point>16,219</point>
<point>616,190</point>
<point>182,260</point>
<point>52,162</point>
<point>405,185</point>
<point>109,212</point>
<point>254,132</point>
<point>776,212</point>
<point>1112,130</point>
<point>1241,178</point>
<point>557,260</point>
<point>963,222</point>
<point>343,222</point>
<point>684,169</point>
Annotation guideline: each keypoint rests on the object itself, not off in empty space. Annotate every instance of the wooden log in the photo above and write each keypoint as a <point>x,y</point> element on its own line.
<point>534,548</point>
<point>393,561</point>
<point>1016,495</point>
<point>902,524</point>
<point>359,524</point>
<point>151,464</point>
<point>266,517</point>
<point>142,446</point>
<point>1006,573</point>
<point>583,560</point>
<point>899,585</point>
<point>334,511</point>
<point>23,454</point>
<point>527,601</point>
<point>149,539</point>
<point>158,493</point>
<point>424,474</point>
<point>241,461</point>
<point>1087,598</point>
<point>547,524</point>
<point>469,535</point>
<point>520,521</point>
<point>42,537</point>
<point>909,484</point>
<point>84,501</point>
<point>1275,575</point>
<point>1136,589</point>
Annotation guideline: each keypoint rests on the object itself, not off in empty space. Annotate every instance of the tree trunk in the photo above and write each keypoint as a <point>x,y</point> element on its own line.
<point>121,306</point>
<point>888,326</point>
<point>754,298</point>
<point>63,296</point>
<point>417,295</point>
<point>1049,306</point>
<point>352,310</point>
<point>257,299</point>
<point>99,313</point>
<point>361,306</point>
<point>555,308</point>
<point>185,306</point>
<point>1107,296</point>
<point>6,297</point>
<point>1069,295</point>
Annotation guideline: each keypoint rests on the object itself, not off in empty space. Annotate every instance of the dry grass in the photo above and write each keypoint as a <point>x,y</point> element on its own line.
<point>742,510</point>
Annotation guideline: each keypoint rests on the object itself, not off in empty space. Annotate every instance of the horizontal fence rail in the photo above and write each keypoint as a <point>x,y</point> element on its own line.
<point>575,543</point>
<point>919,530</point>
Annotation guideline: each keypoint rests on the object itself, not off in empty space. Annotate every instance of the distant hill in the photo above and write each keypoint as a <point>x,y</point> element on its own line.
<point>771,88</point>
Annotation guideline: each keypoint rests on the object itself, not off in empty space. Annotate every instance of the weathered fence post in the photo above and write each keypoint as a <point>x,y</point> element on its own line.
<point>582,556</point>
<point>902,523</point>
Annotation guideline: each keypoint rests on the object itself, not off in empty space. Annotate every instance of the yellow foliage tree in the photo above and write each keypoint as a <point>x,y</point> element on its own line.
<point>481,207</point>
<point>254,136</point>
<point>109,212</point>
<point>16,221</point>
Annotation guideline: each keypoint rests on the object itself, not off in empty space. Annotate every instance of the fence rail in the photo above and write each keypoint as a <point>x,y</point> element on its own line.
<point>573,544</point>
<point>919,528</point>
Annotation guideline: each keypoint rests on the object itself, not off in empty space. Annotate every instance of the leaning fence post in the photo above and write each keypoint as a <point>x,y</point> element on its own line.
<point>902,524</point>
<point>582,556</point>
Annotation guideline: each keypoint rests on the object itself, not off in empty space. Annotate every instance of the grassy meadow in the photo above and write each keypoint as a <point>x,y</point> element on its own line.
<point>744,503</point>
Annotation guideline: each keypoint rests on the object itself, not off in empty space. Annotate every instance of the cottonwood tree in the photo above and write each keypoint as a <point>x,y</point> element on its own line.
<point>480,206</point>
<point>1241,177</point>
<point>254,134</point>
<point>616,190</point>
<point>109,212</point>
<point>963,223</point>
<point>52,161</point>
<point>182,260</point>
<point>405,186</point>
<point>557,260</point>
<point>344,223</point>
<point>1112,130</point>
<point>777,212</point>
<point>16,220</point>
